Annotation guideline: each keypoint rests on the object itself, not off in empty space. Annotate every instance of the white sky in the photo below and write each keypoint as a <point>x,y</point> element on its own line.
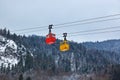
<point>19,14</point>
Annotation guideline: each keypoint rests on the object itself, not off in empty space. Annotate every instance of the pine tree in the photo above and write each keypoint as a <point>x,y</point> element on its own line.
<point>8,68</point>
<point>21,77</point>
<point>67,65</point>
<point>0,31</point>
<point>28,78</point>
<point>14,37</point>
<point>1,69</point>
<point>8,34</point>
<point>21,63</point>
<point>116,73</point>
<point>28,61</point>
<point>3,32</point>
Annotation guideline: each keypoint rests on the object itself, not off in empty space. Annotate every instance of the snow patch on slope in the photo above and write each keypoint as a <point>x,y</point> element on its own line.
<point>12,44</point>
<point>8,61</point>
<point>4,43</point>
<point>8,52</point>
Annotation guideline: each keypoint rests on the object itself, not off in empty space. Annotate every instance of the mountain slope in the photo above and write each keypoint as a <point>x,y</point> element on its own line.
<point>112,47</point>
<point>48,57</point>
<point>109,45</point>
<point>78,58</point>
<point>33,57</point>
<point>10,52</point>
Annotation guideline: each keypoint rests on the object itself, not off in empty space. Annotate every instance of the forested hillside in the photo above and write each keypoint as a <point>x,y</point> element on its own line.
<point>35,58</point>
<point>108,45</point>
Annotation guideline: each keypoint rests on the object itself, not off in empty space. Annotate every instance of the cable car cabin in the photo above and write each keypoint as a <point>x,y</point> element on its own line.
<point>64,46</point>
<point>50,39</point>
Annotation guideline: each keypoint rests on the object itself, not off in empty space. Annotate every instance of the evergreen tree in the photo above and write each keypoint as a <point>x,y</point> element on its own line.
<point>28,61</point>
<point>1,69</point>
<point>8,34</point>
<point>67,66</point>
<point>116,73</point>
<point>4,32</point>
<point>0,31</point>
<point>8,68</point>
<point>14,37</point>
<point>21,64</point>
<point>28,78</point>
<point>21,77</point>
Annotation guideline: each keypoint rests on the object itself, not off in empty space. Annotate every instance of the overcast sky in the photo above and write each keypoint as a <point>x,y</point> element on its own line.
<point>20,14</point>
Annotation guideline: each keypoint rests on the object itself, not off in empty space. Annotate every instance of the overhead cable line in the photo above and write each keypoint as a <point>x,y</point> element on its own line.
<point>94,33</point>
<point>87,19</point>
<point>89,22</point>
<point>26,29</point>
<point>74,25</point>
<point>93,30</point>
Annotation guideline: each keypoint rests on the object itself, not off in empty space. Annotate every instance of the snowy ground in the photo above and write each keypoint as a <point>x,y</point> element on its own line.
<point>8,49</point>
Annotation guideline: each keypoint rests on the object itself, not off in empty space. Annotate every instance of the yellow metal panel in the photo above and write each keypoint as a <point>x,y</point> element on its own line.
<point>64,46</point>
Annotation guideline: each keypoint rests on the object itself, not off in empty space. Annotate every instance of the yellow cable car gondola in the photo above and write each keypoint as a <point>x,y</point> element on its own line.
<point>64,46</point>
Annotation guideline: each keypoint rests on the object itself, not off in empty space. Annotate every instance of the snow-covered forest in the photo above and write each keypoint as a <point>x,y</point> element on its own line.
<point>29,58</point>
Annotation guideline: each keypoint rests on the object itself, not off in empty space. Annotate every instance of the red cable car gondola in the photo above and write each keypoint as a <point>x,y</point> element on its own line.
<point>50,38</point>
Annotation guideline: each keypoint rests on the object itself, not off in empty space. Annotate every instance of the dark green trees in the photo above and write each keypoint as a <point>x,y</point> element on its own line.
<point>28,61</point>
<point>28,78</point>
<point>21,77</point>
